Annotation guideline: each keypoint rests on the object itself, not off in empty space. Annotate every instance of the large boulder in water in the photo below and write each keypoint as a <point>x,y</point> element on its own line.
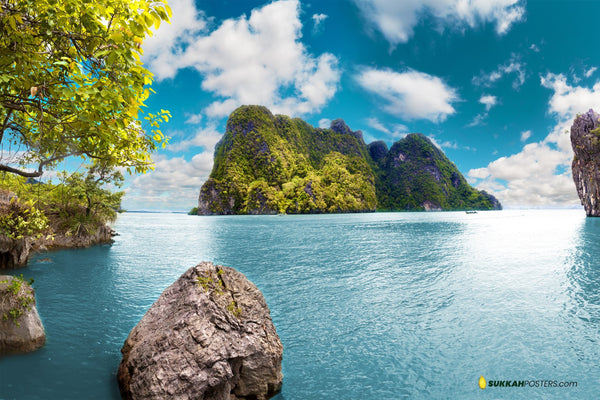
<point>21,329</point>
<point>208,336</point>
<point>585,140</point>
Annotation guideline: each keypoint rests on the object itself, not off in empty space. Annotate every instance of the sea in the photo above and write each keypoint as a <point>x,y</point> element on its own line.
<point>367,306</point>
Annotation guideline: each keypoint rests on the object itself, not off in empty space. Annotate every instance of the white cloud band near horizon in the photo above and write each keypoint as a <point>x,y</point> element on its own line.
<point>540,174</point>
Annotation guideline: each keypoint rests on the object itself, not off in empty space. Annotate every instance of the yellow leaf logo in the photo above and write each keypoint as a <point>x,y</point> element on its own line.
<point>482,382</point>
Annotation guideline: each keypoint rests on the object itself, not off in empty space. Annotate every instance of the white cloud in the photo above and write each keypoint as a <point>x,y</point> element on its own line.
<point>410,94</point>
<point>534,47</point>
<point>489,101</point>
<point>590,72</point>
<point>376,124</point>
<point>540,174</point>
<point>393,131</point>
<point>204,137</point>
<point>478,120</point>
<point>170,41</point>
<point>249,60</point>
<point>397,19</point>
<point>512,66</point>
<point>193,119</point>
<point>324,123</point>
<point>525,135</point>
<point>173,185</point>
<point>318,20</point>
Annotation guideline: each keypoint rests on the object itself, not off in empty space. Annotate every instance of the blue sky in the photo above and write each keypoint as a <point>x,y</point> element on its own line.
<point>495,83</point>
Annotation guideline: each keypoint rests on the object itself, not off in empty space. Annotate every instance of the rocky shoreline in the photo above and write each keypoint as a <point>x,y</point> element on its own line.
<point>21,328</point>
<point>15,253</point>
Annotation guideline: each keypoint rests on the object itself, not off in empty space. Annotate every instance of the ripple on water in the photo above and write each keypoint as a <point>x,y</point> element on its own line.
<point>386,306</point>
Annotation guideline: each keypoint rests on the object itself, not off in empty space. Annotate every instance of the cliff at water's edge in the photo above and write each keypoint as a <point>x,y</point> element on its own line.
<point>585,140</point>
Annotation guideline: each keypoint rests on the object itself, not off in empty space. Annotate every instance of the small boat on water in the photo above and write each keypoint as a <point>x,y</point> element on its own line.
<point>471,212</point>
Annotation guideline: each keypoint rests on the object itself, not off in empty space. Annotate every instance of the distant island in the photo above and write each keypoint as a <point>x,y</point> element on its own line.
<point>269,164</point>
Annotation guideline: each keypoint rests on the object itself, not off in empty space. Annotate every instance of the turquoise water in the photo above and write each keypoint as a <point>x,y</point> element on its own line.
<point>368,306</point>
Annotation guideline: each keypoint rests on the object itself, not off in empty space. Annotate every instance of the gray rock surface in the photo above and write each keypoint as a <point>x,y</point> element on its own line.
<point>586,161</point>
<point>14,253</point>
<point>208,336</point>
<point>23,333</point>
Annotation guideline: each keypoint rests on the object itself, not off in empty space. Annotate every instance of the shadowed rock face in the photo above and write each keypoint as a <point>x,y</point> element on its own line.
<point>208,336</point>
<point>586,161</point>
<point>26,332</point>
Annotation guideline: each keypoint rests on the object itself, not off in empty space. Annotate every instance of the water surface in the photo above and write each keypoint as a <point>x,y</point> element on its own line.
<point>368,306</point>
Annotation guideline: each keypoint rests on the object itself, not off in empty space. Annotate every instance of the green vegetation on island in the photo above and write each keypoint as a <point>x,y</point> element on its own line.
<point>416,175</point>
<point>267,164</point>
<point>77,205</point>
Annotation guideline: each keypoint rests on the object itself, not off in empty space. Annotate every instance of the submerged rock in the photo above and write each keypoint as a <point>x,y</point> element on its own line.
<point>21,329</point>
<point>208,336</point>
<point>585,141</point>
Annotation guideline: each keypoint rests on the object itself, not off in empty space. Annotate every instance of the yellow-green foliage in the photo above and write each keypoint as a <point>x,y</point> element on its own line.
<point>19,220</point>
<point>270,164</point>
<point>76,205</point>
<point>16,298</point>
<point>72,82</point>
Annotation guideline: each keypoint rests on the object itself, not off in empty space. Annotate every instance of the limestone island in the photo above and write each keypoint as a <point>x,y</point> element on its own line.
<point>585,140</point>
<point>270,164</point>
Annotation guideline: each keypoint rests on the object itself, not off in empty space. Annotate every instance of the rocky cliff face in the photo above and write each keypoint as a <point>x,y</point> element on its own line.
<point>266,164</point>
<point>208,336</point>
<point>585,139</point>
<point>21,329</point>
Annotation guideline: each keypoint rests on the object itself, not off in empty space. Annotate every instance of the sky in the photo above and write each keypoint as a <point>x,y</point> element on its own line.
<point>495,84</point>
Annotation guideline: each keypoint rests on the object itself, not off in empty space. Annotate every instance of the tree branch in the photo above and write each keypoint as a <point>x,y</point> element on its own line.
<point>35,174</point>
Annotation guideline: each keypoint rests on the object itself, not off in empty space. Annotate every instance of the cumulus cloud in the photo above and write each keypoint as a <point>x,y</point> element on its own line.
<point>318,20</point>
<point>410,94</point>
<point>525,135</point>
<point>171,40</point>
<point>489,101</point>
<point>173,185</point>
<point>204,137</point>
<point>540,174</point>
<point>396,19</point>
<point>512,66</point>
<point>248,60</point>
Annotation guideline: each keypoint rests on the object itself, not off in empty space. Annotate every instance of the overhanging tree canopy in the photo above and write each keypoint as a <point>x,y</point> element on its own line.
<point>72,83</point>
